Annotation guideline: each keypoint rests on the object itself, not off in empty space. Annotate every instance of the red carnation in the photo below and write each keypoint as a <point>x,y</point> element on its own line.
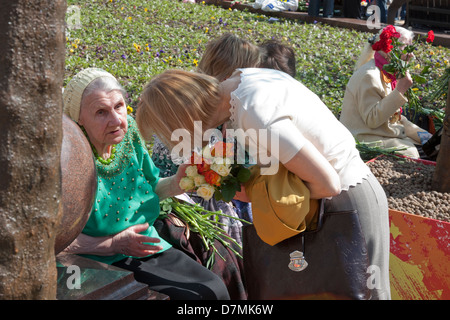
<point>389,32</point>
<point>385,42</point>
<point>430,37</point>
<point>383,45</point>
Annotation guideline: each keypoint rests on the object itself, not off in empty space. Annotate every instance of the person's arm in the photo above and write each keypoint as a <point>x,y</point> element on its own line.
<point>374,107</point>
<point>170,186</point>
<point>315,171</point>
<point>412,130</point>
<point>128,242</point>
<point>302,158</point>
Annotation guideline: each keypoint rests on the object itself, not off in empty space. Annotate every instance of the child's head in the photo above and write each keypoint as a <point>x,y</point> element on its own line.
<point>226,54</point>
<point>275,55</point>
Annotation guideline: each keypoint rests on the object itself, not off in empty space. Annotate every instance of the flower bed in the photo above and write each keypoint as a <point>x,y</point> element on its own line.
<point>137,39</point>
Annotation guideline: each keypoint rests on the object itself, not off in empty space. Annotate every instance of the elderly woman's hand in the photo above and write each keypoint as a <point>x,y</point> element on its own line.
<point>403,84</point>
<point>181,172</point>
<point>407,57</point>
<point>129,242</point>
<point>169,187</point>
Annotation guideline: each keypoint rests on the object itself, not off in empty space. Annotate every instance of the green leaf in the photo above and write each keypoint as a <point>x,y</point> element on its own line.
<point>419,79</point>
<point>229,191</point>
<point>425,70</point>
<point>243,174</point>
<point>218,195</point>
<point>389,68</point>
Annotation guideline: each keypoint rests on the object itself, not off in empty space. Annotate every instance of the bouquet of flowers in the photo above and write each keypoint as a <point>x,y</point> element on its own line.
<point>213,172</point>
<point>389,43</point>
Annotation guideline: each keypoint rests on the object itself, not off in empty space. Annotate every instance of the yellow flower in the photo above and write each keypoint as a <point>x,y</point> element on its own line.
<point>122,8</point>
<point>199,180</point>
<point>130,18</point>
<point>71,50</point>
<point>415,89</point>
<point>195,62</point>
<point>206,30</point>
<point>145,9</point>
<point>129,109</point>
<point>187,183</point>
<point>417,66</point>
<point>438,64</point>
<point>222,169</point>
<point>191,171</point>
<point>205,191</point>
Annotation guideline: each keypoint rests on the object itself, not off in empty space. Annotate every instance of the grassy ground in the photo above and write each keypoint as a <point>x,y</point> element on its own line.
<point>136,39</point>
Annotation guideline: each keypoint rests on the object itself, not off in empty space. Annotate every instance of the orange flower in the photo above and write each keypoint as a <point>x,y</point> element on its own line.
<point>223,149</point>
<point>212,177</point>
<point>203,167</point>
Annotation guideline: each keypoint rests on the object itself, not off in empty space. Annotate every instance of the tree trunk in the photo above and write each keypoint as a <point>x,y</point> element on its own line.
<point>441,178</point>
<point>31,77</point>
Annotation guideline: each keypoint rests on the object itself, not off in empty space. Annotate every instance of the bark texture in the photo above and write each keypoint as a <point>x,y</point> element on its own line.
<point>441,178</point>
<point>31,76</point>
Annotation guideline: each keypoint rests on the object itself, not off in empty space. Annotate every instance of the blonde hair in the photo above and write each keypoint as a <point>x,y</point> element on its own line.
<point>227,53</point>
<point>175,99</point>
<point>367,53</point>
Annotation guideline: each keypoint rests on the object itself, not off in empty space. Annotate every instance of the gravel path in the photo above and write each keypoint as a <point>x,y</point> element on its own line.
<point>407,184</point>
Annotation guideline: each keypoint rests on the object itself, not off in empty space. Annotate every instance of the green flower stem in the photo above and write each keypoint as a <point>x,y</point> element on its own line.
<point>205,223</point>
<point>368,151</point>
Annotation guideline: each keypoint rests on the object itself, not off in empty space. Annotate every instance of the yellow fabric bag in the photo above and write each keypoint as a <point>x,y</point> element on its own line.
<point>281,205</point>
